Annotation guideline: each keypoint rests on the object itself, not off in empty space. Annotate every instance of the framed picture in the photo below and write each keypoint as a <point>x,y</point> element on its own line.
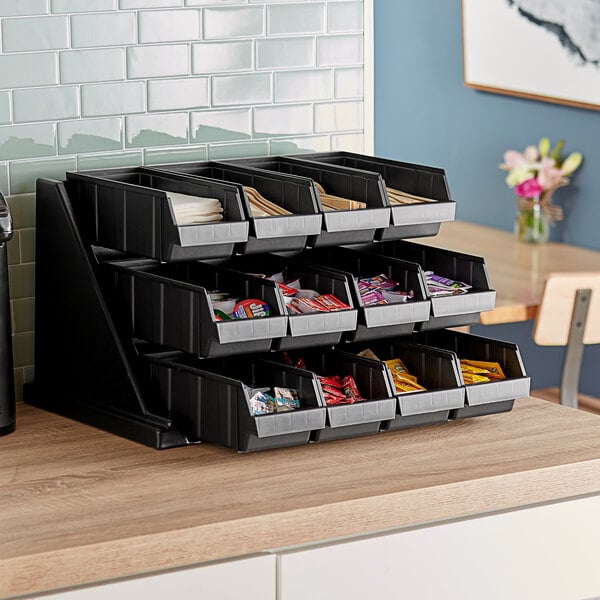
<point>541,49</point>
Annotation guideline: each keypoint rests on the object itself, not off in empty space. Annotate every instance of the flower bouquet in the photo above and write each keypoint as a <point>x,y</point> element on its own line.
<point>535,174</point>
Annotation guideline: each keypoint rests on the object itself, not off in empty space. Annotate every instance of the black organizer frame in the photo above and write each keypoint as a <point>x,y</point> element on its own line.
<point>91,366</point>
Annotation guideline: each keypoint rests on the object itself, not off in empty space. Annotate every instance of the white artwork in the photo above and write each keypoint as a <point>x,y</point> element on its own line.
<point>546,49</point>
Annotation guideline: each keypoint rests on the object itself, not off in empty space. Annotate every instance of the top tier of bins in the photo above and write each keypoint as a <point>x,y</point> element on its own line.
<point>128,209</point>
<point>338,173</point>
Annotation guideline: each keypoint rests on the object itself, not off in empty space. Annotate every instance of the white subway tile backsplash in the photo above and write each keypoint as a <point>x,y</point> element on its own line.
<point>159,156</point>
<point>303,85</point>
<point>27,141</point>
<point>23,174</point>
<point>170,94</point>
<point>316,143</point>
<point>157,61</point>
<point>166,129</point>
<point>349,142</point>
<point>340,50</point>
<point>283,120</point>
<point>17,8</point>
<point>113,98</point>
<point>90,135</point>
<point>25,70</point>
<point>216,57</point>
<point>285,53</point>
<point>130,158</point>
<point>4,108</point>
<point>296,18</point>
<point>90,84</point>
<point>34,33</point>
<point>102,29</point>
<point>241,89</point>
<point>224,151</point>
<point>79,6</point>
<point>344,16</point>
<point>168,25</point>
<point>45,104</point>
<point>221,125</point>
<point>83,66</point>
<point>233,21</point>
<point>338,116</point>
<point>126,4</point>
<point>349,83</point>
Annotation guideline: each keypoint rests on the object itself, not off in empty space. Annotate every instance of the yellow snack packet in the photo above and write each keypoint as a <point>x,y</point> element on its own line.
<point>467,368</point>
<point>470,378</point>
<point>402,386</point>
<point>493,368</point>
<point>396,366</point>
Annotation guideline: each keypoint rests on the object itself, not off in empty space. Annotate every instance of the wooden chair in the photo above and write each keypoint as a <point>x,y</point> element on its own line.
<point>569,315</point>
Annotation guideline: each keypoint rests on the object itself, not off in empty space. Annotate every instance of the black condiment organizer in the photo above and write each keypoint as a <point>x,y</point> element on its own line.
<point>211,400</point>
<point>281,233</point>
<point>128,210</point>
<point>311,329</point>
<point>168,303</point>
<point>106,276</point>
<point>435,369</point>
<point>379,320</point>
<point>364,417</point>
<point>408,220</point>
<point>447,311</point>
<point>339,226</point>
<point>487,397</point>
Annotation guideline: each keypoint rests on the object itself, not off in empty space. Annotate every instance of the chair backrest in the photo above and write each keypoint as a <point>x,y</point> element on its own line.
<point>553,319</point>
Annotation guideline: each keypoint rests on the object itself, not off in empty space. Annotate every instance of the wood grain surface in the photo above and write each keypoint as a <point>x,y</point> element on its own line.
<point>517,270</point>
<point>79,505</point>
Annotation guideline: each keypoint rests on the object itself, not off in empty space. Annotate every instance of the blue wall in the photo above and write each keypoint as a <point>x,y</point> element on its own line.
<point>424,114</point>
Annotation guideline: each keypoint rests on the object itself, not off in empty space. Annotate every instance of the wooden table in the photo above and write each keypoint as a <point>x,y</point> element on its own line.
<point>79,505</point>
<point>517,270</point>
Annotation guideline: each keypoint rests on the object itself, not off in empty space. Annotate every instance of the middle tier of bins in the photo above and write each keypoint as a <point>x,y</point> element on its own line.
<point>133,210</point>
<point>207,384</point>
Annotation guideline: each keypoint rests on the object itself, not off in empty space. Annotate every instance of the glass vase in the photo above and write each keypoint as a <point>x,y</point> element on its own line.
<point>531,222</point>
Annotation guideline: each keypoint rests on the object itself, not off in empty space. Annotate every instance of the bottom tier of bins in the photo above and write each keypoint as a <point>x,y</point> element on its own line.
<point>210,399</point>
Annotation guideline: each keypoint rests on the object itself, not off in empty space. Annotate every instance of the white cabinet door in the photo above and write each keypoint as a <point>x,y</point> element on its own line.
<point>247,579</point>
<point>542,553</point>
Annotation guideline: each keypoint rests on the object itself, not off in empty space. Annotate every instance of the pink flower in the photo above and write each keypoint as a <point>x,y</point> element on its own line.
<point>548,176</point>
<point>513,159</point>
<point>529,188</point>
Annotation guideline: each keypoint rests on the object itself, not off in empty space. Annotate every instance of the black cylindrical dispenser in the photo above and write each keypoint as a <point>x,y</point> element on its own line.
<point>7,379</point>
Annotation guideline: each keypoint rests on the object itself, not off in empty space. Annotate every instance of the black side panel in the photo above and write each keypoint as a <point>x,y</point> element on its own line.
<point>81,368</point>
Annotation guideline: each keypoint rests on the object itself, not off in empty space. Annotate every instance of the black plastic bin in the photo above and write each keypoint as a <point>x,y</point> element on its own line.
<point>408,220</point>
<point>311,329</point>
<point>487,397</point>
<point>447,311</point>
<point>435,370</point>
<point>380,320</point>
<point>339,226</point>
<point>168,304</point>
<point>210,400</point>
<point>129,210</point>
<point>361,418</point>
<point>282,233</point>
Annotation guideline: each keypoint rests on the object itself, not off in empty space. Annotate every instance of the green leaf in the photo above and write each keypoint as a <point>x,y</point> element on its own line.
<point>544,146</point>
<point>556,152</point>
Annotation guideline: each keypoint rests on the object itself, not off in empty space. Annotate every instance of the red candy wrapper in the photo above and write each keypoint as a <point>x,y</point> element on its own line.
<point>286,289</point>
<point>331,302</point>
<point>351,390</point>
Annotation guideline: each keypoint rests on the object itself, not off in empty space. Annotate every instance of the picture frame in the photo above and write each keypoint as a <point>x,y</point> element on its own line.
<point>544,50</point>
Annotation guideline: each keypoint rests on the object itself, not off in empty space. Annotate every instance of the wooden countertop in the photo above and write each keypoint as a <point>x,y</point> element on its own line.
<point>78,505</point>
<point>517,270</point>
